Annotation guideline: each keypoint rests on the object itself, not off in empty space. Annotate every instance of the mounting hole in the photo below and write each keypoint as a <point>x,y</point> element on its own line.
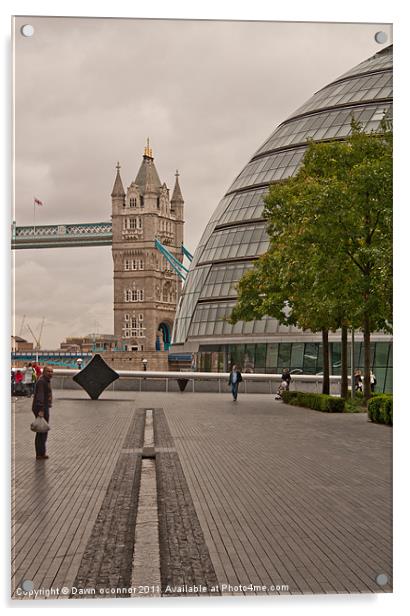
<point>27,30</point>
<point>27,585</point>
<point>380,37</point>
<point>382,579</point>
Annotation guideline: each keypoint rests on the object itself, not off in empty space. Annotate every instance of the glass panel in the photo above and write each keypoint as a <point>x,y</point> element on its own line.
<point>272,355</point>
<point>381,354</point>
<point>336,357</point>
<point>296,360</point>
<point>249,358</point>
<point>284,355</point>
<point>260,357</point>
<point>388,385</point>
<point>310,358</point>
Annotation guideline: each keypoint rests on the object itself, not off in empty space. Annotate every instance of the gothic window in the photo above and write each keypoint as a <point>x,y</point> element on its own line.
<point>141,201</point>
<point>140,264</point>
<point>126,317</point>
<point>139,222</point>
<point>133,201</point>
<point>141,317</point>
<point>158,203</point>
<point>127,264</point>
<point>134,323</point>
<point>132,223</point>
<point>127,295</point>
<point>135,295</point>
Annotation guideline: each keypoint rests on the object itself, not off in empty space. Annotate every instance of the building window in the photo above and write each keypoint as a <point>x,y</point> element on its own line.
<point>141,201</point>
<point>133,322</point>
<point>158,203</point>
<point>134,295</point>
<point>127,265</point>
<point>141,317</point>
<point>126,317</point>
<point>133,201</point>
<point>132,223</point>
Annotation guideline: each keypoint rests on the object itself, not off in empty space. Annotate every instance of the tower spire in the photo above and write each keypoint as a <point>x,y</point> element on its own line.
<point>148,150</point>
<point>118,188</point>
<point>177,194</point>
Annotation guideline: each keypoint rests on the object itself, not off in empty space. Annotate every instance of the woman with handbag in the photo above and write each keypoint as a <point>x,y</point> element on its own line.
<point>42,401</point>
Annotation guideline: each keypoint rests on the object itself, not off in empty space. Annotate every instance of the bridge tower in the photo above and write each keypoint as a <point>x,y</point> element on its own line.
<point>146,289</point>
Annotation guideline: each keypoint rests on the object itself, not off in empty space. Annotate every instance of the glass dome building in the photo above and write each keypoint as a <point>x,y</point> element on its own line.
<point>235,236</point>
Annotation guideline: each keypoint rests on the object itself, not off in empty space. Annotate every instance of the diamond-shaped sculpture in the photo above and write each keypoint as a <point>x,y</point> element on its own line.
<point>95,377</point>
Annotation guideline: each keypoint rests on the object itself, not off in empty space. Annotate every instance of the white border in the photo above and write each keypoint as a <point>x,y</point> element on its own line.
<point>345,11</point>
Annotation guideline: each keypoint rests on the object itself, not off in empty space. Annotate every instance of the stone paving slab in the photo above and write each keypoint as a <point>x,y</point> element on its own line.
<point>289,499</point>
<point>288,496</point>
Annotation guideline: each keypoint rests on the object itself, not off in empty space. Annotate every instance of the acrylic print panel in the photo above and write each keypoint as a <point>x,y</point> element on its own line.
<point>144,150</point>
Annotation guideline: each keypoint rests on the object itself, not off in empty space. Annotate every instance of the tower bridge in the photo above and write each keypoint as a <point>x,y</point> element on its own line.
<point>62,235</point>
<point>146,239</point>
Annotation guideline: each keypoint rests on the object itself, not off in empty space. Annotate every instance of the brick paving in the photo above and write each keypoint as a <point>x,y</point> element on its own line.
<point>288,498</point>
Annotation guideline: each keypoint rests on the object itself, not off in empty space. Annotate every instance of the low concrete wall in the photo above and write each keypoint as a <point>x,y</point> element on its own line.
<point>201,382</point>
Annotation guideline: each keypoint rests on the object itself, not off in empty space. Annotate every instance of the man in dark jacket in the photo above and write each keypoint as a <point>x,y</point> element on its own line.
<point>42,401</point>
<point>235,378</point>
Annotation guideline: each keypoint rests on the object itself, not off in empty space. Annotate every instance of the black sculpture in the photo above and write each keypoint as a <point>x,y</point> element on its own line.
<point>95,377</point>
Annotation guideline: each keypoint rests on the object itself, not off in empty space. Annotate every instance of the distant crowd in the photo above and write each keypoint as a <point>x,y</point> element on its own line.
<point>23,380</point>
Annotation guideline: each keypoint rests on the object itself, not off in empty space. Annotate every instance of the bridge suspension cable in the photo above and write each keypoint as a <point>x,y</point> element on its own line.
<point>176,265</point>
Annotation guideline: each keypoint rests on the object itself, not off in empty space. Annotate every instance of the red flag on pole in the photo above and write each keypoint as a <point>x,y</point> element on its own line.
<point>37,201</point>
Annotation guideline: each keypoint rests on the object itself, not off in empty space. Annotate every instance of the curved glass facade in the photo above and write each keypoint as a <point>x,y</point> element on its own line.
<point>235,235</point>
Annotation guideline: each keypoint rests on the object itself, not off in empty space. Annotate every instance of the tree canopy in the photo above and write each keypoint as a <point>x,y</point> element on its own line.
<point>329,262</point>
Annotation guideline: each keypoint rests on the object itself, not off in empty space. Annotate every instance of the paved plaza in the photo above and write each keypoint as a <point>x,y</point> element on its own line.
<point>253,497</point>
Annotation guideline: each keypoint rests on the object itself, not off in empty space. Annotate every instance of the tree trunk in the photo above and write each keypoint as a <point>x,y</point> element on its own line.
<point>325,346</point>
<point>344,378</point>
<point>366,353</point>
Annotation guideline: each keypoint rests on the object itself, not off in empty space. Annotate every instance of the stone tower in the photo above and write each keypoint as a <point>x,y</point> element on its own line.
<point>146,289</point>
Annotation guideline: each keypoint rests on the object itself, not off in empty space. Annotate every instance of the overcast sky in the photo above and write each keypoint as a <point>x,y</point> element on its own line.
<point>88,92</point>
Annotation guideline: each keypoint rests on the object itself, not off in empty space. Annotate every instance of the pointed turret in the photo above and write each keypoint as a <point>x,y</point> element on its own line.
<point>147,176</point>
<point>177,194</point>
<point>118,188</point>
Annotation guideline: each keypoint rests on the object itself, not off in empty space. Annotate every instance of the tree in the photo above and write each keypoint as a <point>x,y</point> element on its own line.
<point>330,253</point>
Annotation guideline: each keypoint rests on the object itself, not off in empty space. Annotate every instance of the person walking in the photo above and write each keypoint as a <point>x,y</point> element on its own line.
<point>235,377</point>
<point>358,383</point>
<point>28,380</point>
<point>373,381</point>
<point>37,370</point>
<point>42,401</point>
<point>18,383</point>
<point>284,383</point>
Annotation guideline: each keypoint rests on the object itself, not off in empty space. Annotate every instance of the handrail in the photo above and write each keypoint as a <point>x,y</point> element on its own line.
<point>248,376</point>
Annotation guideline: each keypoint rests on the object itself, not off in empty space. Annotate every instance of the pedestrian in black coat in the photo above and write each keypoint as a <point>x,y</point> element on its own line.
<point>42,402</point>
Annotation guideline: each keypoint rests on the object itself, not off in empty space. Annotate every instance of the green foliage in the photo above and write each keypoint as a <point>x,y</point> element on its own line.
<point>380,409</point>
<point>329,261</point>
<point>356,404</point>
<point>318,402</point>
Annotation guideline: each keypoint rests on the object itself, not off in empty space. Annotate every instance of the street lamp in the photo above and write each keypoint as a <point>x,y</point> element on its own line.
<point>144,363</point>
